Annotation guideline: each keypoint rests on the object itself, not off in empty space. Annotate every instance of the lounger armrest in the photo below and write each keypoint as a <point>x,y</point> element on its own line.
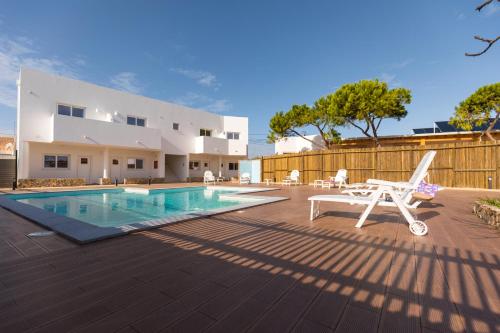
<point>400,185</point>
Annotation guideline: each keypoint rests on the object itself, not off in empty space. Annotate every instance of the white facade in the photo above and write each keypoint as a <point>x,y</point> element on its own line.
<point>102,144</point>
<point>297,144</point>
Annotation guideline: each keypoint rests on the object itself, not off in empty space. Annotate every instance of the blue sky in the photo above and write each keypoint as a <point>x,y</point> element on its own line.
<point>254,58</point>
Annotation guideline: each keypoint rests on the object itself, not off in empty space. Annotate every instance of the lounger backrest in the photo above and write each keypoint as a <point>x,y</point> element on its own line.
<point>421,169</point>
<point>419,174</point>
<point>245,175</point>
<point>208,174</point>
<point>341,175</point>
<point>294,175</point>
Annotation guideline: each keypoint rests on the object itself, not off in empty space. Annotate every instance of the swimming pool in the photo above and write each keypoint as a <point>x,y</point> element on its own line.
<point>89,215</point>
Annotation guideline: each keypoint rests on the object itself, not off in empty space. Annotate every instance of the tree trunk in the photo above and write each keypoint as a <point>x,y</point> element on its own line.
<point>490,127</point>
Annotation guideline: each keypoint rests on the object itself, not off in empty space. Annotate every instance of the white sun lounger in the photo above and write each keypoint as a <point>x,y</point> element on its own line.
<point>420,173</point>
<point>400,193</point>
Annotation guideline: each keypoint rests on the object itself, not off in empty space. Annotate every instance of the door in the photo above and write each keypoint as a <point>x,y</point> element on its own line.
<point>115,168</point>
<point>84,168</point>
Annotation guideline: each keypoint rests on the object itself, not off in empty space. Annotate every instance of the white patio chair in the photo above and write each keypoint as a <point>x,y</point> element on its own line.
<point>400,193</point>
<point>208,177</point>
<point>293,179</point>
<point>339,179</point>
<point>245,178</point>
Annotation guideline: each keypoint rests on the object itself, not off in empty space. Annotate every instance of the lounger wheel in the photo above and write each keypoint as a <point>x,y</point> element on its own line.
<point>418,228</point>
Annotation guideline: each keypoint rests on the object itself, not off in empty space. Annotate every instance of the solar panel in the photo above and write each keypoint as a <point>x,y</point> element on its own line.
<point>444,126</point>
<point>428,130</point>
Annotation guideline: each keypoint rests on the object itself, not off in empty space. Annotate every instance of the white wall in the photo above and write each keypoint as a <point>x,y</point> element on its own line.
<point>213,165</point>
<point>95,154</point>
<point>106,111</point>
<point>297,144</point>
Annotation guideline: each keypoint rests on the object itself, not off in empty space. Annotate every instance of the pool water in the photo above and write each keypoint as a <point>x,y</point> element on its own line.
<point>117,207</point>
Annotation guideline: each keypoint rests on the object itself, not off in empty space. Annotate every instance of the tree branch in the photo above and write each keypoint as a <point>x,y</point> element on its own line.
<point>490,44</point>
<point>379,121</point>
<point>303,137</point>
<point>484,4</point>
<point>365,132</point>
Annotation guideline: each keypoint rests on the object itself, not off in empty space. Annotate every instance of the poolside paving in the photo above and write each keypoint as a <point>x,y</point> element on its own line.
<point>264,269</point>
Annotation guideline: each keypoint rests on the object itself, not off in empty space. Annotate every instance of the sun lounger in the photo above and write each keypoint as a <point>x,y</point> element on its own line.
<point>208,177</point>
<point>385,193</point>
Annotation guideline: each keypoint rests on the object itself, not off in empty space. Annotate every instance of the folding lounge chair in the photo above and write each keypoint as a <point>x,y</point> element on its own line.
<point>294,178</point>
<point>245,178</point>
<point>420,173</point>
<point>208,177</point>
<point>401,194</point>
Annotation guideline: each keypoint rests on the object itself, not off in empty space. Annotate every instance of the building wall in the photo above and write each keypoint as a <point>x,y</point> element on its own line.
<point>297,144</point>
<point>96,158</point>
<point>104,123</point>
<point>213,165</point>
<point>7,145</point>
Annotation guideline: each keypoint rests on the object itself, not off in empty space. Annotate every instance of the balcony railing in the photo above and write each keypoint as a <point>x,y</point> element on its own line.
<point>219,146</point>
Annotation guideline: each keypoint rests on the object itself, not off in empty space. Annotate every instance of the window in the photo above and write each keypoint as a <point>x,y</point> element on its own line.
<point>205,132</point>
<point>155,164</point>
<point>233,135</point>
<point>135,163</point>
<point>56,161</point>
<point>115,161</point>
<point>77,112</point>
<point>49,161</point>
<point>67,110</point>
<point>84,160</point>
<point>205,164</point>
<point>194,165</point>
<point>64,110</point>
<point>139,163</point>
<point>175,126</point>
<point>136,121</point>
<point>62,162</point>
<point>233,166</point>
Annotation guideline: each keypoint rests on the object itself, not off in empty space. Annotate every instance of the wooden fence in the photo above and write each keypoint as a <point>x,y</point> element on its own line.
<point>455,165</point>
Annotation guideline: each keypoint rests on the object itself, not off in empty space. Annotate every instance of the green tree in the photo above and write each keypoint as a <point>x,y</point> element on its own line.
<point>286,124</point>
<point>366,103</point>
<point>482,107</point>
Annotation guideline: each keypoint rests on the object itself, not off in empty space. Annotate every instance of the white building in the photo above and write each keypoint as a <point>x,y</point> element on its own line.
<point>297,144</point>
<point>72,129</point>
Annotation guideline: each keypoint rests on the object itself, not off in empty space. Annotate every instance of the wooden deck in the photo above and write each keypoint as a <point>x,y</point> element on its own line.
<point>266,269</point>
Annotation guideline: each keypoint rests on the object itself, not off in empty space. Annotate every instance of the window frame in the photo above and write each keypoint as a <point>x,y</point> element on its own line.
<point>205,131</point>
<point>135,120</point>
<point>233,135</point>
<point>192,167</point>
<point>71,107</point>
<point>235,166</point>
<point>56,160</point>
<point>135,163</point>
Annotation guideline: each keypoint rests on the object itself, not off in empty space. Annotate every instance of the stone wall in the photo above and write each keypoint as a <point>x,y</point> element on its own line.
<point>143,180</point>
<point>50,182</point>
<point>489,214</point>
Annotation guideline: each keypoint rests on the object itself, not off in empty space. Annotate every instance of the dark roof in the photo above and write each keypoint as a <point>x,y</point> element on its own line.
<point>427,130</point>
<point>445,127</point>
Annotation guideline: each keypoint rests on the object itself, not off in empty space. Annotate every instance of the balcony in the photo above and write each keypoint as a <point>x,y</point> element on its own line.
<point>210,145</point>
<point>219,146</point>
<point>96,132</point>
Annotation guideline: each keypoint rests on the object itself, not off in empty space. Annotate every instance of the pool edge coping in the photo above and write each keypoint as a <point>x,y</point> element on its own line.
<point>85,233</point>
